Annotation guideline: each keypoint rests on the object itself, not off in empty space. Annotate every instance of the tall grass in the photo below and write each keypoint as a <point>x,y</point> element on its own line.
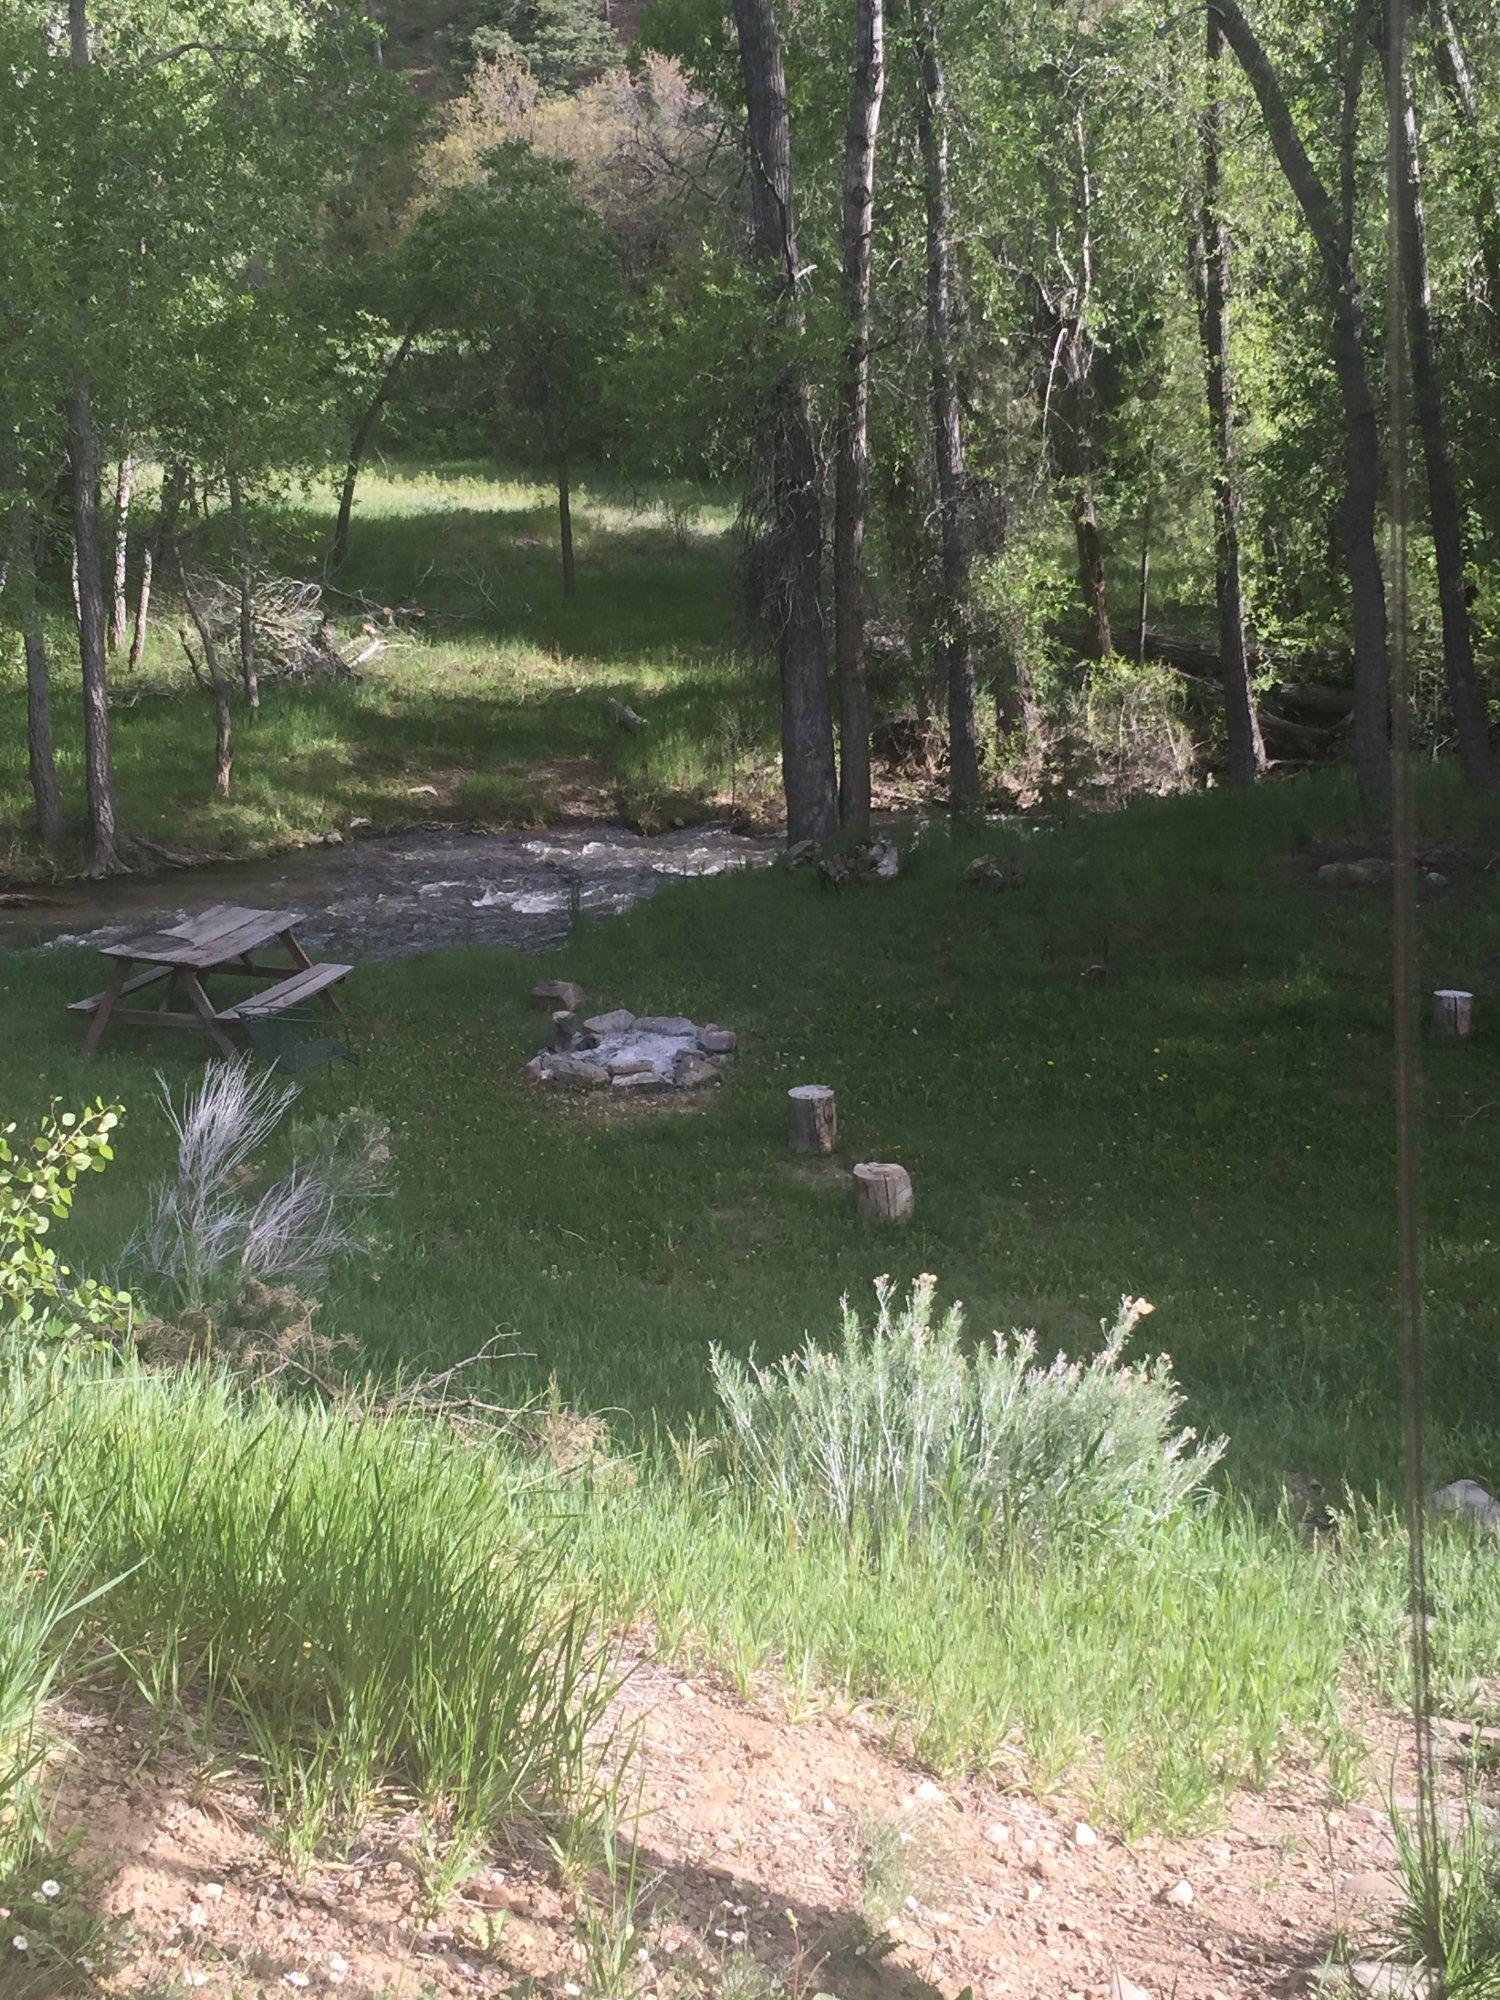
<point>365,1600</point>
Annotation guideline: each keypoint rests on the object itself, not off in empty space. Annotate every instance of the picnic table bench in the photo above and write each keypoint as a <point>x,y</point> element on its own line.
<point>225,940</point>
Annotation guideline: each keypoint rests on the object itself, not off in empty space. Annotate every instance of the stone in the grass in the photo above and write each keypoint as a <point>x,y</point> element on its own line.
<point>629,1065</point>
<point>665,1024</point>
<point>558,993</point>
<point>1467,1496</point>
<point>640,1079</point>
<point>691,1070</point>
<point>565,1072</point>
<point>613,1023</point>
<point>718,1041</point>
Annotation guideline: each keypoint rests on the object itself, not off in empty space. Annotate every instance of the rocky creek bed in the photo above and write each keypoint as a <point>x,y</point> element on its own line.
<point>391,896</point>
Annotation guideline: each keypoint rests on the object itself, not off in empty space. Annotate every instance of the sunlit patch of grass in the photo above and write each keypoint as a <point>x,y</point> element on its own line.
<point>501,678</point>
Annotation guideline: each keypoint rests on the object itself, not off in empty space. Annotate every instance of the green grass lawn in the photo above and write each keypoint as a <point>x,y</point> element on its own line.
<point>490,709</point>
<point>1210,1125</point>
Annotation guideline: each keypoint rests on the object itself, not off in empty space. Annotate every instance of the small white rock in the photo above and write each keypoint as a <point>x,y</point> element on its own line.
<point>997,1835</point>
<point>1121,1988</point>
<point>212,1891</point>
<point>1084,1835</point>
<point>1180,1893</point>
<point>928,1792</point>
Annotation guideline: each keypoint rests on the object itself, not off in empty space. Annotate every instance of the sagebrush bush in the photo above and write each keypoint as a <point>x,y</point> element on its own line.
<point>906,1422</point>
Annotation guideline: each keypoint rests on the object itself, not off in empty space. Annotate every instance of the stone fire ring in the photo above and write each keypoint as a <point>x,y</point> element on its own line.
<point>628,1052</point>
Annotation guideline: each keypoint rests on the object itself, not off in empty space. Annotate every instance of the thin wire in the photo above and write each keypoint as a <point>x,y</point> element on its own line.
<point>1403,855</point>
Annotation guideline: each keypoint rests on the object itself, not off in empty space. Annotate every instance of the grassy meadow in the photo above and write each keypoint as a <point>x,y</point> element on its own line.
<point>1207,1124</point>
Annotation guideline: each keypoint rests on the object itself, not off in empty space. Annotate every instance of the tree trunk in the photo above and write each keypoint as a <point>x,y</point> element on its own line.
<point>359,444</point>
<point>1362,478</point>
<point>41,760</point>
<point>248,674</point>
<point>956,617</point>
<point>124,489</point>
<point>1211,274</point>
<point>852,450</point>
<point>795,552</point>
<point>211,677</point>
<point>1458,82</point>
<point>171,492</point>
<point>88,554</point>
<point>1445,510</point>
<point>565,527</point>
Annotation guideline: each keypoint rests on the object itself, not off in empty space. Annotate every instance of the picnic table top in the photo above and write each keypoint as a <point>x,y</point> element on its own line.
<point>215,935</point>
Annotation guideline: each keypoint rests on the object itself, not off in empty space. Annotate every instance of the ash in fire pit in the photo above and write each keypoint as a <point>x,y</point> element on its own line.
<point>625,1051</point>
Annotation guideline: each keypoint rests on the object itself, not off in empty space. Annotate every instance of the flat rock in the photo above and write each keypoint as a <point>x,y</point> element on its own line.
<point>629,1066</point>
<point>718,1041</point>
<point>691,1071</point>
<point>565,1072</point>
<point>614,1023</point>
<point>666,1024</point>
<point>558,993</point>
<point>1389,1981</point>
<point>1121,1988</point>
<point>640,1079</point>
<point>1355,874</point>
<point>1467,1496</point>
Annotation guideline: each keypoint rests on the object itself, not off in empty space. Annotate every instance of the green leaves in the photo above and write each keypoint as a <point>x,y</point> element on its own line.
<point>41,1303</point>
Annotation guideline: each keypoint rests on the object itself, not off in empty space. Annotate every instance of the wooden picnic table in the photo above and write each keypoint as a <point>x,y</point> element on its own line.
<point>223,940</point>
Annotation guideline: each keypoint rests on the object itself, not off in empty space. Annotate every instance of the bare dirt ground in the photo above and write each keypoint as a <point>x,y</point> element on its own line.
<point>766,1845</point>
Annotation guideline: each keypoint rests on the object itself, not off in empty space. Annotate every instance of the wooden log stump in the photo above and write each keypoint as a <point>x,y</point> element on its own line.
<point>1452,1013</point>
<point>814,1118</point>
<point>883,1191</point>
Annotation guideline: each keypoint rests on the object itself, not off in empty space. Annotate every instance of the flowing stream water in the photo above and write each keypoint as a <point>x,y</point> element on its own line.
<point>393,895</point>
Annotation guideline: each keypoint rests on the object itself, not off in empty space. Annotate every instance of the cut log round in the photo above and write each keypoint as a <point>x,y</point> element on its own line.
<point>1452,1013</point>
<point>883,1191</point>
<point>814,1118</point>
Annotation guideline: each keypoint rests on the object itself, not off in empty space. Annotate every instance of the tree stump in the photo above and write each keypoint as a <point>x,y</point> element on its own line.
<point>883,1191</point>
<point>815,1118</point>
<point>1452,1013</point>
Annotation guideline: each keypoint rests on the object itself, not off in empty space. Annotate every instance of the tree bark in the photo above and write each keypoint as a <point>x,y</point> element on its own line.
<point>795,476</point>
<point>565,527</point>
<point>1362,477</point>
<point>1445,510</point>
<point>359,444</point>
<point>852,451</point>
<point>41,759</point>
<point>955,638</point>
<point>248,675</point>
<point>211,677</point>
<point>88,554</point>
<point>124,489</point>
<point>151,554</point>
<point>1211,274</point>
<point>1452,62</point>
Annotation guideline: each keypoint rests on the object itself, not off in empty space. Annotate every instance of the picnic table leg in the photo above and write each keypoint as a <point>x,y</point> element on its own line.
<point>100,1016</point>
<point>303,963</point>
<point>204,1005</point>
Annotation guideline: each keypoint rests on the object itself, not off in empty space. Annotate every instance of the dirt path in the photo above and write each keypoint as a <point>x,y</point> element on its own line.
<point>391,896</point>
<point>798,1849</point>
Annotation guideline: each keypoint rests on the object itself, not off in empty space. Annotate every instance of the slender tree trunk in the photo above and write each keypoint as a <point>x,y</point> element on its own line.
<point>565,527</point>
<point>359,444</point>
<point>88,552</point>
<point>1362,474</point>
<point>124,489</point>
<point>248,675</point>
<point>1143,582</point>
<point>151,555</point>
<point>211,677</point>
<point>956,640</point>
<point>1457,80</point>
<point>1445,510</point>
<point>1211,274</point>
<point>852,452</point>
<point>795,474</point>
<point>41,759</point>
